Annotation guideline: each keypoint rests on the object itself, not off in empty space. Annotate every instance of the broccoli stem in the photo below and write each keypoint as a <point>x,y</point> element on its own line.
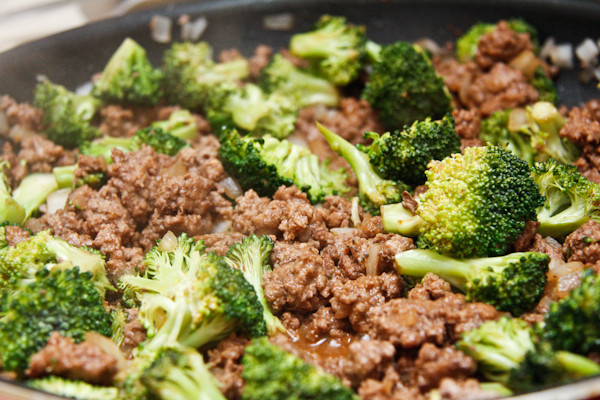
<point>419,263</point>
<point>397,219</point>
<point>576,365</point>
<point>33,190</point>
<point>65,176</point>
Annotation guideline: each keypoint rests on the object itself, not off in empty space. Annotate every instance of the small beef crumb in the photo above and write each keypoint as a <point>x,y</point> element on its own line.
<point>467,123</point>
<point>225,364</point>
<point>84,361</point>
<point>15,235</point>
<point>259,60</point>
<point>584,244</point>
<point>23,114</point>
<point>501,45</point>
<point>220,242</point>
<point>469,389</point>
<point>525,238</point>
<point>434,363</point>
<point>134,332</point>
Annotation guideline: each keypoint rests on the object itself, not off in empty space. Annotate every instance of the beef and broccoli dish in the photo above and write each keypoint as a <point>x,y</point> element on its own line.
<point>337,219</point>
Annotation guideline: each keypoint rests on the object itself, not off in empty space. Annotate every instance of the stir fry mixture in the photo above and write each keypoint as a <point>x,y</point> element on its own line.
<point>338,219</point>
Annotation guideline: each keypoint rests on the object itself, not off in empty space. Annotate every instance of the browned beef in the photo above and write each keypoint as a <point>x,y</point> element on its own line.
<point>583,128</point>
<point>434,363</point>
<point>15,235</point>
<point>469,389</point>
<point>259,60</point>
<point>20,114</point>
<point>84,361</point>
<point>584,244</point>
<point>322,324</point>
<point>225,365</point>
<point>547,246</point>
<point>120,121</point>
<point>525,238</point>
<point>467,123</point>
<point>501,45</point>
<point>372,389</point>
<point>41,155</point>
<point>134,332</point>
<point>220,242</point>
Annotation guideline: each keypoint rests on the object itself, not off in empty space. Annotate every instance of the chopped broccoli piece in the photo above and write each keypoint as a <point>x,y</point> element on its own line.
<point>373,190</point>
<point>190,298</point>
<point>64,300</point>
<point>404,155</point>
<point>67,118</point>
<point>251,256</point>
<point>398,219</point>
<point>513,283</point>
<point>335,49</point>
<point>33,191</point>
<point>181,124</point>
<point>11,211</point>
<point>494,130</point>
<point>284,78</point>
<point>404,87</point>
<point>264,164</point>
<point>544,86</point>
<point>570,199</point>
<point>190,73</point>
<point>74,389</point>
<point>477,203</point>
<point>119,320</point>
<point>65,177</point>
<point>129,77</point>
<point>272,373</point>
<point>251,110</point>
<point>572,323</point>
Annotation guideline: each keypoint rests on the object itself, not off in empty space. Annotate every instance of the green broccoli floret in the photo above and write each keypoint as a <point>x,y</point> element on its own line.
<point>373,190</point>
<point>181,124</point>
<point>572,323</point>
<point>251,110</point>
<point>272,373</point>
<point>494,131</point>
<point>74,389</point>
<point>570,199</point>
<point>508,351</point>
<point>513,283</point>
<point>67,118</point>
<point>544,86</point>
<point>11,212</point>
<point>252,256</point>
<point>466,45</point>
<point>404,87</point>
<point>129,77</point>
<point>190,73</point>
<point>65,301</point>
<point>335,49</point>
<point>264,164</point>
<point>284,78</point>
<point>404,155</point>
<point>190,298</point>
<point>477,203</point>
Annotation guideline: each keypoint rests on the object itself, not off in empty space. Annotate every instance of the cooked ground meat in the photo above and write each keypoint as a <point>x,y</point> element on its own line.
<point>583,128</point>
<point>84,361</point>
<point>548,246</point>
<point>584,244</point>
<point>220,242</point>
<point>23,114</point>
<point>15,235</point>
<point>41,154</point>
<point>468,389</point>
<point>434,363</point>
<point>259,60</point>
<point>501,45</point>
<point>134,332</point>
<point>525,238</point>
<point>467,123</point>
<point>224,361</point>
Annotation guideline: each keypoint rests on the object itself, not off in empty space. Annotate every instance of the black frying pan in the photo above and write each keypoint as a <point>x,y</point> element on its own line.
<point>71,58</point>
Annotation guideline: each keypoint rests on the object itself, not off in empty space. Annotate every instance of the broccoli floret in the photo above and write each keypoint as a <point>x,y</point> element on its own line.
<point>155,137</point>
<point>251,110</point>
<point>335,49</point>
<point>74,389</point>
<point>264,164</point>
<point>466,45</point>
<point>513,283</point>
<point>272,373</point>
<point>190,298</point>
<point>404,155</point>
<point>251,256</point>
<point>284,78</point>
<point>477,203</point>
<point>33,191</point>
<point>508,351</point>
<point>181,124</point>
<point>404,87</point>
<point>65,300</point>
<point>570,199</point>
<point>494,130</point>
<point>67,118</point>
<point>11,212</point>
<point>129,77</point>
<point>544,86</point>
<point>572,323</point>
<point>373,190</point>
<point>190,73</point>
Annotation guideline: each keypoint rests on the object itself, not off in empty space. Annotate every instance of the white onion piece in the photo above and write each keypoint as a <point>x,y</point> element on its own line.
<point>558,269</point>
<point>343,231</point>
<point>562,55</point>
<point>221,226</point>
<point>517,118</point>
<point>300,140</point>
<point>193,30</point>
<point>587,52</point>
<point>596,74</point>
<point>355,214</point>
<point>526,62</point>
<point>57,200</point>
<point>3,122</point>
<point>547,47</point>
<point>168,242</point>
<point>108,346</point>
<point>278,22</point>
<point>232,189</point>
<point>373,259</point>
<point>160,27</point>
<point>567,283</point>
<point>177,169</point>
<point>429,45</point>
<point>84,89</point>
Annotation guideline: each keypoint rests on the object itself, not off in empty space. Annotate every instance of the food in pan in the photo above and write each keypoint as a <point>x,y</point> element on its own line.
<point>339,219</point>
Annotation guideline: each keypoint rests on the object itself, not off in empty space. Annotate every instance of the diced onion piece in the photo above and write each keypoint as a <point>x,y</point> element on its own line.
<point>168,242</point>
<point>558,269</point>
<point>193,30</point>
<point>562,55</point>
<point>161,28</point>
<point>355,213</point>
<point>232,188</point>
<point>343,231</point>
<point>517,118</point>
<point>429,44</point>
<point>373,259</point>
<point>596,74</point>
<point>57,200</point>
<point>3,123</point>
<point>177,169</point>
<point>84,89</point>
<point>567,283</point>
<point>108,346</point>
<point>526,62</point>
<point>547,47</point>
<point>278,22</point>
<point>587,52</point>
<point>221,226</point>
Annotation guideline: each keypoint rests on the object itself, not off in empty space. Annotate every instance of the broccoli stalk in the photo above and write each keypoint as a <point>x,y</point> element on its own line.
<point>251,256</point>
<point>284,78</point>
<point>373,191</point>
<point>181,124</point>
<point>264,164</point>
<point>11,211</point>
<point>67,118</point>
<point>129,77</point>
<point>570,199</point>
<point>398,219</point>
<point>33,191</point>
<point>190,298</point>
<point>513,283</point>
<point>74,389</point>
<point>272,373</point>
<point>334,48</point>
<point>404,155</point>
<point>65,177</point>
